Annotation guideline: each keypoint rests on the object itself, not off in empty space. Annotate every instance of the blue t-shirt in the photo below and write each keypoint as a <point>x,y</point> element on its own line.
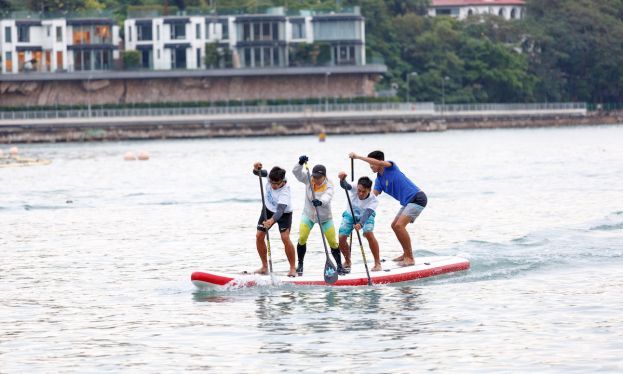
<point>394,183</point>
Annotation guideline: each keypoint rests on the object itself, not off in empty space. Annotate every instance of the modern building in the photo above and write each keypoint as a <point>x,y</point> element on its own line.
<point>272,39</point>
<point>461,9</point>
<point>49,45</point>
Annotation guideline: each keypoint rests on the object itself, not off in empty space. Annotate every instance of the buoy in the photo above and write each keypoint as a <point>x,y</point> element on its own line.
<point>14,151</point>
<point>322,136</point>
<point>129,156</point>
<point>143,155</point>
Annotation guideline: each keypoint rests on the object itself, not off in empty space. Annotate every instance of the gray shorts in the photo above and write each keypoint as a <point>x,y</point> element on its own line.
<point>410,210</point>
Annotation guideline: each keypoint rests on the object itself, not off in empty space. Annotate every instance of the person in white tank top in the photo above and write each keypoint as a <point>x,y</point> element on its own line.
<point>364,206</point>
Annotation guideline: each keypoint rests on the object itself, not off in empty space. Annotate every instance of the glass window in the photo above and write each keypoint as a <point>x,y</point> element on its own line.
<point>275,27</point>
<point>143,32</point>
<point>256,31</point>
<point>268,56</point>
<point>298,31</point>
<point>266,31</point>
<point>246,32</point>
<point>23,34</point>
<point>198,31</point>
<point>198,57</point>
<point>59,34</point>
<point>225,29</point>
<point>158,34</point>
<point>48,30</point>
<point>257,57</point>
<point>178,31</point>
<point>247,57</point>
<point>7,34</point>
<point>102,35</point>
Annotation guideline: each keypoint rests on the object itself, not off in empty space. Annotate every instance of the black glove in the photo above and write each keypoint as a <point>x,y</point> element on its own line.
<point>303,159</point>
<point>263,172</point>
<point>316,202</point>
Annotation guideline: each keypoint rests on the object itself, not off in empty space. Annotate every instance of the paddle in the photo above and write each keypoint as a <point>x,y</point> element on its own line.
<point>330,270</point>
<point>264,173</point>
<point>352,179</point>
<point>363,253</point>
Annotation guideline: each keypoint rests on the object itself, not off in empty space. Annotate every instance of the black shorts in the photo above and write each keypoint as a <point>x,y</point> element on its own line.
<point>285,222</point>
<point>420,199</point>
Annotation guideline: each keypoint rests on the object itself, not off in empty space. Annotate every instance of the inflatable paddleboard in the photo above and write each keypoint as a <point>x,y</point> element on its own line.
<point>425,267</point>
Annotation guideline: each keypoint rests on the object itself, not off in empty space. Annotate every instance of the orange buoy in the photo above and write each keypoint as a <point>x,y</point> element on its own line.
<point>129,156</point>
<point>143,156</point>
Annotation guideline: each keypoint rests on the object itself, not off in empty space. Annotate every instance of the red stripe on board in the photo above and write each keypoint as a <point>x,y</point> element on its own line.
<point>220,280</point>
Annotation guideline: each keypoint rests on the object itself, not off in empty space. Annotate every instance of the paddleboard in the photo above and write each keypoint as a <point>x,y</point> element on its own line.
<point>425,267</point>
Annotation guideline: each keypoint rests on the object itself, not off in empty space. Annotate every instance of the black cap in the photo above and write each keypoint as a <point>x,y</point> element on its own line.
<point>319,171</point>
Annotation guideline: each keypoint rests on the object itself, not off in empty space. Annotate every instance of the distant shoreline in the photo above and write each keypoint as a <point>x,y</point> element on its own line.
<point>189,127</point>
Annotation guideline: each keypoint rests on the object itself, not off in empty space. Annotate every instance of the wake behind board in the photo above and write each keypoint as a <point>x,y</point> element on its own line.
<point>425,267</point>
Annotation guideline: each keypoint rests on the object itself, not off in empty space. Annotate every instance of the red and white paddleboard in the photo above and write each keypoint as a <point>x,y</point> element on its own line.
<point>425,267</point>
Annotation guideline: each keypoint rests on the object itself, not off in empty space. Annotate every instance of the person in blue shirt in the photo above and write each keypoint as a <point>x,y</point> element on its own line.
<point>391,180</point>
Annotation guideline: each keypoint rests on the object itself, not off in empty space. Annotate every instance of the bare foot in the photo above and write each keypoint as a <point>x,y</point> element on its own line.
<point>377,267</point>
<point>399,258</point>
<point>292,273</point>
<point>406,263</point>
<point>348,264</point>
<point>262,271</point>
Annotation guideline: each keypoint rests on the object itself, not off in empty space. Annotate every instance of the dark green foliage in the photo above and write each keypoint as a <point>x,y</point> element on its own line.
<point>131,60</point>
<point>564,50</point>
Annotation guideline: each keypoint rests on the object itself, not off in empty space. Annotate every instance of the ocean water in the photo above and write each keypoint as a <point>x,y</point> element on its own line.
<point>97,252</point>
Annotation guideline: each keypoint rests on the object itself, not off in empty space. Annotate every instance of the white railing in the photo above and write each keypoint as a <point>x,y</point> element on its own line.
<point>407,109</point>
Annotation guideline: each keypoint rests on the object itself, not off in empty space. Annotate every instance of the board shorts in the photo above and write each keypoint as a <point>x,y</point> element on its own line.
<point>327,227</point>
<point>415,207</point>
<point>348,224</point>
<point>285,222</point>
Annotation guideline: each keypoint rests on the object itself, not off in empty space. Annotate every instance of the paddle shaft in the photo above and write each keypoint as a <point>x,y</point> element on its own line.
<point>363,253</point>
<point>352,179</point>
<point>265,216</point>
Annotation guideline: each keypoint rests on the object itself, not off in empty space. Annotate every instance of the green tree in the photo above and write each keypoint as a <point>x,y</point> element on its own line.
<point>131,60</point>
<point>211,55</point>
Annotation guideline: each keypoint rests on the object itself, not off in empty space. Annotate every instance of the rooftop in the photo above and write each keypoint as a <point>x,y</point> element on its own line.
<point>438,3</point>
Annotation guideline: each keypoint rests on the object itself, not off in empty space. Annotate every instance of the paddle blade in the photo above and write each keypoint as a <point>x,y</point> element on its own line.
<point>330,272</point>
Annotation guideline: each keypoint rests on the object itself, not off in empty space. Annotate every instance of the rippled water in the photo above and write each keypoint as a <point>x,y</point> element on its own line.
<point>97,255</point>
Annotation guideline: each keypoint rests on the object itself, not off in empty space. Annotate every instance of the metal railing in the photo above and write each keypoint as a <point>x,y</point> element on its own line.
<point>449,108</point>
<point>305,109</point>
<point>326,107</point>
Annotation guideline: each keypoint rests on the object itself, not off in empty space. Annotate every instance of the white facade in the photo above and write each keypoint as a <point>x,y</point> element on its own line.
<point>53,45</point>
<point>253,41</point>
<point>461,9</point>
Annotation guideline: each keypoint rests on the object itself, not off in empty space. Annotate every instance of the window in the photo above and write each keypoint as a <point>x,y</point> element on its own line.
<point>48,30</point>
<point>246,32</point>
<point>198,31</point>
<point>198,57</point>
<point>225,29</point>
<point>298,31</point>
<point>207,30</point>
<point>158,55</point>
<point>178,31</point>
<point>158,34</point>
<point>257,57</point>
<point>143,32</point>
<point>130,34</point>
<point>7,34</point>
<point>8,62</point>
<point>23,34</point>
<point>59,34</point>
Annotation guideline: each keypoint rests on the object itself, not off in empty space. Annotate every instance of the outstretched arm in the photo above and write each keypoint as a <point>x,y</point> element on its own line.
<point>370,160</point>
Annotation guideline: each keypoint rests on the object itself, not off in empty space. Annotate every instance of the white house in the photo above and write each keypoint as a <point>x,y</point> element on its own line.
<point>253,40</point>
<point>49,45</point>
<point>461,9</point>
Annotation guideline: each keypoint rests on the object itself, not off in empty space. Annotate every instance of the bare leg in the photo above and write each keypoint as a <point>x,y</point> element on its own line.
<point>262,251</point>
<point>400,228</point>
<point>374,247</point>
<point>289,247</point>
<point>345,251</point>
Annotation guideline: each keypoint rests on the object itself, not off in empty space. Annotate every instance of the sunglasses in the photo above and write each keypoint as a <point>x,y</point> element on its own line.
<point>273,183</point>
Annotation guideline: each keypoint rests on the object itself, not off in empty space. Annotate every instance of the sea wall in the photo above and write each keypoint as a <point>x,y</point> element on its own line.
<point>153,87</point>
